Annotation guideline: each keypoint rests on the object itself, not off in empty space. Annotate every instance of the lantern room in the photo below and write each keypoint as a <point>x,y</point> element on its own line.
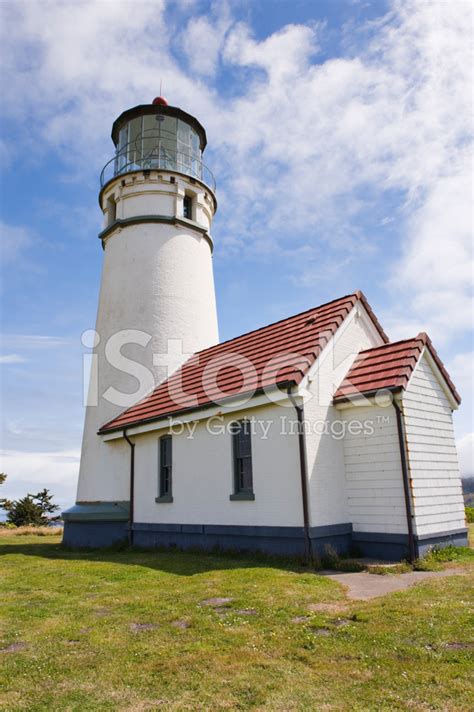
<point>157,136</point>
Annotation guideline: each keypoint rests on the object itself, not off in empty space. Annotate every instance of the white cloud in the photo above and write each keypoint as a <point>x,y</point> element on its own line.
<point>303,142</point>
<point>14,241</point>
<point>460,369</point>
<point>12,358</point>
<point>465,446</point>
<point>32,471</point>
<point>394,117</point>
<point>283,55</point>
<point>203,40</point>
<point>32,341</point>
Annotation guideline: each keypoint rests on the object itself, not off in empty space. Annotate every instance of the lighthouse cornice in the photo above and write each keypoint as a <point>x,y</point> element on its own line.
<point>117,226</point>
<point>154,176</point>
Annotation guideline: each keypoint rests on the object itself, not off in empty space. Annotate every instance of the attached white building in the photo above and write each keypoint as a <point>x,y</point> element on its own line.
<point>309,432</point>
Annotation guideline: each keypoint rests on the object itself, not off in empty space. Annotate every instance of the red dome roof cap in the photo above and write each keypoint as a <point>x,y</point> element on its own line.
<point>159,101</point>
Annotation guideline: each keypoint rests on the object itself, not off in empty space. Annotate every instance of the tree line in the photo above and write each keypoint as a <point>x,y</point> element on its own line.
<point>35,510</point>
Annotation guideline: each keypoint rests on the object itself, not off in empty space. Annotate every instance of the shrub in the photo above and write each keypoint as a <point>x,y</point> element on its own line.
<point>34,509</point>
<point>470,515</point>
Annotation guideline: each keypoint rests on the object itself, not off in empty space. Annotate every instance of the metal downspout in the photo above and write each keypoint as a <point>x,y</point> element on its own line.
<point>406,480</point>
<point>132,487</point>
<point>304,477</point>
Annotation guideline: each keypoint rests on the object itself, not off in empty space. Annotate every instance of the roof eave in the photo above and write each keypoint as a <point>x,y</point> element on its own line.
<point>353,398</point>
<point>185,411</point>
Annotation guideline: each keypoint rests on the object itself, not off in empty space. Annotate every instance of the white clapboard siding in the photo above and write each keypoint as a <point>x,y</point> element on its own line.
<point>374,483</point>
<point>434,470</point>
<point>325,453</point>
<point>438,427</point>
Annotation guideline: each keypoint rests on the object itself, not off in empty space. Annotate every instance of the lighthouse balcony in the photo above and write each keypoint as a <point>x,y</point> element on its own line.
<point>159,159</point>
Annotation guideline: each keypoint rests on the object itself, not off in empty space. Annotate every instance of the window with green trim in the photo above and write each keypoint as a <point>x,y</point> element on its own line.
<point>165,466</point>
<point>242,455</point>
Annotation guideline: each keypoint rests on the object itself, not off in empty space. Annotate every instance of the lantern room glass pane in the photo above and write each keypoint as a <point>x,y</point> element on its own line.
<point>135,141</point>
<point>167,129</point>
<point>150,142</point>
<point>122,149</point>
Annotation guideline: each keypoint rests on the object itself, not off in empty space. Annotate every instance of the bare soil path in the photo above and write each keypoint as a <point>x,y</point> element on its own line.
<point>364,586</point>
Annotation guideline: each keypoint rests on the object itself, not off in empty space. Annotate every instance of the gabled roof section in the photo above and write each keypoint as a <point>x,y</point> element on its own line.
<point>389,367</point>
<point>275,355</point>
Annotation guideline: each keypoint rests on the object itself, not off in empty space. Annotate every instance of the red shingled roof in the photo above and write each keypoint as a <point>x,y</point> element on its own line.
<point>388,367</point>
<point>278,354</point>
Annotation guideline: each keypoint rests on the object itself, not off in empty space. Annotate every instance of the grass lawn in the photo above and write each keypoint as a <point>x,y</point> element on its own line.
<point>130,631</point>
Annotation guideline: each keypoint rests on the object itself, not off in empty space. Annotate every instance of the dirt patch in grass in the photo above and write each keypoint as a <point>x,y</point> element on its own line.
<point>246,612</point>
<point>138,627</point>
<point>301,619</point>
<point>182,625</point>
<point>328,607</point>
<point>217,602</point>
<point>14,647</point>
<point>321,631</point>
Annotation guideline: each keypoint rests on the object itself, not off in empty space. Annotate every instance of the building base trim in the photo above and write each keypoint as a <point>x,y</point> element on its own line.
<point>94,534</point>
<point>90,532</point>
<point>455,537</point>
<point>396,546</point>
<point>279,540</point>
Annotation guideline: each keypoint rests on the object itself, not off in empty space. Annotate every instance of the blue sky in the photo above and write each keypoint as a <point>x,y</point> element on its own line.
<point>340,137</point>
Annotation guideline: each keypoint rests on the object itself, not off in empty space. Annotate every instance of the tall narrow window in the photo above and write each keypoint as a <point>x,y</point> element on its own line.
<point>242,455</point>
<point>111,210</point>
<point>188,207</point>
<point>165,469</point>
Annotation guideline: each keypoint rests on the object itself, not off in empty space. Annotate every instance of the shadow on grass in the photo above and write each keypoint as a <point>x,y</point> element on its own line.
<point>169,560</point>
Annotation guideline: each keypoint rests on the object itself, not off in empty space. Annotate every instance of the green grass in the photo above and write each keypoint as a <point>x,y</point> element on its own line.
<point>71,625</point>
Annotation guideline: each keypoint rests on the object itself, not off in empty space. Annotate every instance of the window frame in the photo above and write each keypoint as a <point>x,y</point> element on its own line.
<point>241,491</point>
<point>165,471</point>
<point>111,205</point>
<point>188,202</point>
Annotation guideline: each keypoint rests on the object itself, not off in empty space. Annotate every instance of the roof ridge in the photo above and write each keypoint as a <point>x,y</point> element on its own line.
<point>393,343</point>
<point>279,321</point>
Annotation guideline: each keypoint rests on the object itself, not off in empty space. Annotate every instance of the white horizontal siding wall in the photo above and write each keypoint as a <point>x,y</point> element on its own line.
<point>434,470</point>
<point>325,452</point>
<point>202,477</point>
<point>374,482</point>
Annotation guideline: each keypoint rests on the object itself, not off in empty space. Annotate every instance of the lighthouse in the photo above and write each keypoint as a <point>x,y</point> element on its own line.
<point>157,302</point>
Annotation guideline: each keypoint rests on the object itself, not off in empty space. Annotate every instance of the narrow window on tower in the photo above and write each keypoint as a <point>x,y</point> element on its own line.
<point>188,207</point>
<point>165,469</point>
<point>242,457</point>
<point>111,210</point>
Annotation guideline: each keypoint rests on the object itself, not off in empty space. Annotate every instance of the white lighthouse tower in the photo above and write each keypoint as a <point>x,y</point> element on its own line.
<point>157,303</point>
